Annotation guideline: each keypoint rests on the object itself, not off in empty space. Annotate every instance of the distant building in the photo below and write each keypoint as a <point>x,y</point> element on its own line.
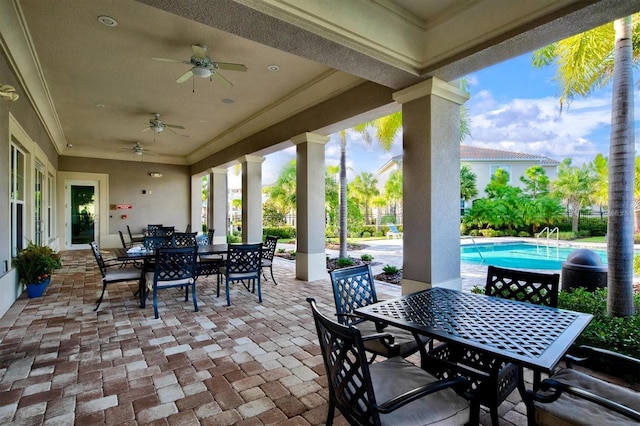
<point>484,162</point>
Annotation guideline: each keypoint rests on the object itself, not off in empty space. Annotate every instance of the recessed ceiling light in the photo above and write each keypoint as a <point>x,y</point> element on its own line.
<point>100,105</point>
<point>107,20</point>
<point>273,67</point>
<point>227,101</point>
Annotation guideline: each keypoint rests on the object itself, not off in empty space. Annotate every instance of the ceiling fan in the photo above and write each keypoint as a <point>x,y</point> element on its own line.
<point>137,149</point>
<point>158,125</point>
<point>203,66</point>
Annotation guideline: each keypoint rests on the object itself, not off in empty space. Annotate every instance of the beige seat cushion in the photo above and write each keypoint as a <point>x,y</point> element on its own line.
<point>572,410</point>
<point>396,376</point>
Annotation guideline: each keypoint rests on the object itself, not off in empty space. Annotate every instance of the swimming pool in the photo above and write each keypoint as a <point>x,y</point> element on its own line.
<point>520,255</point>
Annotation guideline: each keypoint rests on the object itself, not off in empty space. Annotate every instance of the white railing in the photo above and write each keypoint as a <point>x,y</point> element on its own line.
<point>550,233</point>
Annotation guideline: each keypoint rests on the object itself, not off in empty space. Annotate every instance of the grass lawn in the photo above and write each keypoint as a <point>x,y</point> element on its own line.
<point>591,240</point>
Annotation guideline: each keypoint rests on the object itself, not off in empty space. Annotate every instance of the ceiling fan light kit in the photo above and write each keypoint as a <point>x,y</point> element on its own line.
<point>201,72</point>
<point>155,174</point>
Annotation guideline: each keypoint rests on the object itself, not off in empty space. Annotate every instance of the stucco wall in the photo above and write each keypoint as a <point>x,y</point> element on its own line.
<point>166,200</point>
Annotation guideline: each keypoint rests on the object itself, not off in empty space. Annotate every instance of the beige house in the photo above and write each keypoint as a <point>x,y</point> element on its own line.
<point>483,162</point>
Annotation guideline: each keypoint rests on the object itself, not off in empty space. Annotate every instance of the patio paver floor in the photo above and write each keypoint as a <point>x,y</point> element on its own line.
<point>247,364</point>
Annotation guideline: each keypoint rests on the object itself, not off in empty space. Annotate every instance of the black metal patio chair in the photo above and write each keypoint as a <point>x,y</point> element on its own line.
<point>184,239</point>
<point>569,396</point>
<point>354,288</point>
<point>242,264</point>
<point>111,274</point>
<point>390,392</point>
<point>134,239</point>
<point>268,253</point>
<point>173,267</point>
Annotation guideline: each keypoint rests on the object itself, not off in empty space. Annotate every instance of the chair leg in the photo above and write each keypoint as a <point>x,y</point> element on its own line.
<point>193,294</point>
<point>218,286</point>
<point>104,286</point>
<point>259,290</point>
<point>226,282</point>
<point>272,277</point>
<point>155,302</point>
<point>330,413</point>
<point>494,416</point>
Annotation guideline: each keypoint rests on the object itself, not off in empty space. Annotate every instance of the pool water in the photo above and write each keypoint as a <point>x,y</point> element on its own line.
<point>520,255</point>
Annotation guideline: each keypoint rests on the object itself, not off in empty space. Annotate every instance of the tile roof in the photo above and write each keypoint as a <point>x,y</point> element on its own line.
<point>470,153</point>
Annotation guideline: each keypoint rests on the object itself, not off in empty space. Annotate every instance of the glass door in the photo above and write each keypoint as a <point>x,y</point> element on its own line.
<point>38,220</point>
<point>81,214</point>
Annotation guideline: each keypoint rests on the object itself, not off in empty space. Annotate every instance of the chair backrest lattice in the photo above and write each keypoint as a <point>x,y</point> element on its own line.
<point>184,239</point>
<point>524,286</point>
<point>175,263</point>
<point>210,233</point>
<point>244,258</point>
<point>99,259</point>
<point>269,247</point>
<point>352,288</point>
<point>151,229</point>
<point>153,243</point>
<point>165,231</point>
<point>347,369</point>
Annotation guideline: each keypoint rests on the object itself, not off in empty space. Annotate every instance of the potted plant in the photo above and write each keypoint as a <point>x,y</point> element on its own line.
<point>35,264</point>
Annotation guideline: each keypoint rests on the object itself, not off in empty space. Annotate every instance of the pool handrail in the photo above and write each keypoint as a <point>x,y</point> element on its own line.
<point>474,244</point>
<point>549,234</point>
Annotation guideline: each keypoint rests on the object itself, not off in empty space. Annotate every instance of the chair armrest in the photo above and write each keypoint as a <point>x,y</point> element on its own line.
<point>591,350</point>
<point>387,339</point>
<point>412,395</point>
<point>556,389</point>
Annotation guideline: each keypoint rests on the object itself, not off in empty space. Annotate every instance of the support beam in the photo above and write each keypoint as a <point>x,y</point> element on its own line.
<point>251,198</point>
<point>311,261</point>
<point>431,184</point>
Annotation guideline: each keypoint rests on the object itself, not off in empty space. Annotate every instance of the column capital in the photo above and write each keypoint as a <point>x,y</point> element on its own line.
<point>218,170</point>
<point>433,86</point>
<point>251,159</point>
<point>308,137</point>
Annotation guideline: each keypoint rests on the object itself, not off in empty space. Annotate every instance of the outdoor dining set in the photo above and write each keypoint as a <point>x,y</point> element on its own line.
<point>163,258</point>
<point>473,351</point>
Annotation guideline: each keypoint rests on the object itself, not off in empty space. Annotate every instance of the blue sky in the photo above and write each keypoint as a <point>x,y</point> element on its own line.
<point>513,107</point>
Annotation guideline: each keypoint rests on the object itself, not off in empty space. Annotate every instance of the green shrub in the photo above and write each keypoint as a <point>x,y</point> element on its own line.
<point>523,234</point>
<point>489,233</point>
<point>371,230</point>
<point>477,290</point>
<point>344,262</point>
<point>280,250</point>
<point>474,232</point>
<point>620,335</point>
<point>366,257</point>
<point>233,238</point>
<point>282,232</point>
<point>366,234</point>
<point>636,264</point>
<point>567,235</point>
<point>390,269</point>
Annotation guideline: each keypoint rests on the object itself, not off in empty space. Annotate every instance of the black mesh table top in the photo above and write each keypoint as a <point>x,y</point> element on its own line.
<point>530,335</point>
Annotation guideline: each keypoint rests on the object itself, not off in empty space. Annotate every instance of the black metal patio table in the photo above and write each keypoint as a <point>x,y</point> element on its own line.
<point>528,335</point>
<point>123,255</point>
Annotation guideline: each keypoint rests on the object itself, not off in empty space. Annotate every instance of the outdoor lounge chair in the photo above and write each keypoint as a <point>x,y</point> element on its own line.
<point>393,231</point>
<point>354,288</point>
<point>572,397</point>
<point>393,391</point>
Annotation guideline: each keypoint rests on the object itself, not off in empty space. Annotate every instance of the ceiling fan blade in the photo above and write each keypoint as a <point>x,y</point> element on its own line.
<point>174,126</point>
<point>167,60</point>
<point>145,129</point>
<point>220,79</point>
<point>199,51</point>
<point>184,77</point>
<point>230,67</point>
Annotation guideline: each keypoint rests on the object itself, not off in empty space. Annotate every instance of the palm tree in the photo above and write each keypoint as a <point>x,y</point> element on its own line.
<point>468,188</point>
<point>587,61</point>
<point>536,182</point>
<point>574,185</point>
<point>393,189</point>
<point>364,188</point>
<point>342,212</point>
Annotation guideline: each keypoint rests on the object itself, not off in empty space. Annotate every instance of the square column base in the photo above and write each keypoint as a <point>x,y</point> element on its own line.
<point>412,286</point>
<point>311,266</point>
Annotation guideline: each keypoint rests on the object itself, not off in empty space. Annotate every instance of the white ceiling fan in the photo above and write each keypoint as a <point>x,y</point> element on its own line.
<point>136,150</point>
<point>203,66</point>
<point>158,125</point>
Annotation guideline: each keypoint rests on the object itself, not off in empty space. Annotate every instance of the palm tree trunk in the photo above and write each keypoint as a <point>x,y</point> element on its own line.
<point>621,177</point>
<point>343,195</point>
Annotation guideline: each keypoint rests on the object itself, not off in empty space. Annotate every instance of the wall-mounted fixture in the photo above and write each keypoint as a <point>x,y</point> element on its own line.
<point>155,174</point>
<point>9,92</point>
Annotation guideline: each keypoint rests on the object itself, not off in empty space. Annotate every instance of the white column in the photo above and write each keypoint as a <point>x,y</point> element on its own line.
<point>251,198</point>
<point>311,261</point>
<point>431,184</point>
<point>218,208</point>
